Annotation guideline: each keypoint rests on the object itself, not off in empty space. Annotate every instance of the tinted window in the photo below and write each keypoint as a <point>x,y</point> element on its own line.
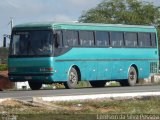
<point>131,39</point>
<point>153,39</point>
<point>70,38</point>
<point>144,39</point>
<point>32,43</point>
<point>102,38</point>
<point>86,38</point>
<point>116,39</point>
<point>58,42</point>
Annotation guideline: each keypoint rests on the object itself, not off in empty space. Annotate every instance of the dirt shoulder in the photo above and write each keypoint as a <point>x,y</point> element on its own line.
<point>5,83</point>
<point>4,74</point>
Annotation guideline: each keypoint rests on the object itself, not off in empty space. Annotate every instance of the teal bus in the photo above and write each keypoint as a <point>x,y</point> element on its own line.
<point>46,53</point>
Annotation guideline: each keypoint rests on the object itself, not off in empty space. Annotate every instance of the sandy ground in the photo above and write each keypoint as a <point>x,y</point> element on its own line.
<point>4,82</point>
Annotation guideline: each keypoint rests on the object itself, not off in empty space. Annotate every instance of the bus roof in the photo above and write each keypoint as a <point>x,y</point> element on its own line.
<point>84,26</point>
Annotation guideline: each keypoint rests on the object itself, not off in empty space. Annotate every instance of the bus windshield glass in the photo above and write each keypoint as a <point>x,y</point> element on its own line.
<point>32,43</point>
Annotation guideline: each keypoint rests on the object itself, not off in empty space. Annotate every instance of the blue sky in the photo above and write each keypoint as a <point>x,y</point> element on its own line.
<point>24,11</point>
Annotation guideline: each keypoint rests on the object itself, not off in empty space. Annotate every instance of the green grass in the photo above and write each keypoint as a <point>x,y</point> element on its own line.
<point>83,84</point>
<point>83,110</point>
<point>143,106</point>
<point>3,67</point>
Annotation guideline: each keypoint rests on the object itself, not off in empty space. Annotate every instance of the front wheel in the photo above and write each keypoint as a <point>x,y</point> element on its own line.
<point>35,85</point>
<point>72,79</point>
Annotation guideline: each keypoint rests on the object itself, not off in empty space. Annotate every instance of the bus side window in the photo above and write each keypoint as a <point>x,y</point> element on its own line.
<point>86,38</point>
<point>102,38</point>
<point>116,39</point>
<point>144,39</point>
<point>153,39</point>
<point>70,38</point>
<point>58,39</point>
<point>130,39</point>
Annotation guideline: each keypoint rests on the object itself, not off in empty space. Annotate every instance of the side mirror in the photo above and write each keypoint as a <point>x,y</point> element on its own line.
<point>4,42</point>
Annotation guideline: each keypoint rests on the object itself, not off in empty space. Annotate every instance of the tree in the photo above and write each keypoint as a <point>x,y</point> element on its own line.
<point>133,12</point>
<point>3,55</point>
<point>123,12</point>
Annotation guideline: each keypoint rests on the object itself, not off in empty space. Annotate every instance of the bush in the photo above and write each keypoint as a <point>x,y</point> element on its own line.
<point>83,84</point>
<point>3,67</point>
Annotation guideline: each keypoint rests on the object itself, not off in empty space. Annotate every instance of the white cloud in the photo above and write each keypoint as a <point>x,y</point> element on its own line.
<point>61,18</point>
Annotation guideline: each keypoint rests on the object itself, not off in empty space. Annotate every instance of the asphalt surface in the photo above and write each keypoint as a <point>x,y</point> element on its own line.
<point>28,94</point>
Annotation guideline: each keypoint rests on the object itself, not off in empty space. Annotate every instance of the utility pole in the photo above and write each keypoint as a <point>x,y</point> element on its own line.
<point>11,23</point>
<point>6,35</point>
<point>9,36</point>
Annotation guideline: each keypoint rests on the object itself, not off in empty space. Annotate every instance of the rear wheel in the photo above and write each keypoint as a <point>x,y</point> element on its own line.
<point>35,85</point>
<point>132,76</point>
<point>72,79</point>
<point>98,83</point>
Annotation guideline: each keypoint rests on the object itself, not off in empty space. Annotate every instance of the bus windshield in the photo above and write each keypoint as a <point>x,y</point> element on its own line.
<point>32,43</point>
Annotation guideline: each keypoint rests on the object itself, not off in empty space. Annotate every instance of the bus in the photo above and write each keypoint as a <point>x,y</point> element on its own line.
<point>46,53</point>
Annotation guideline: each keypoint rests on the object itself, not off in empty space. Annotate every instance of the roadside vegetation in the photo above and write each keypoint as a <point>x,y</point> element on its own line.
<point>79,109</point>
<point>140,106</point>
<point>3,67</point>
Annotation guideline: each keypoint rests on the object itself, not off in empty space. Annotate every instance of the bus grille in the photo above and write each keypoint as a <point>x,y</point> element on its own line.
<point>153,67</point>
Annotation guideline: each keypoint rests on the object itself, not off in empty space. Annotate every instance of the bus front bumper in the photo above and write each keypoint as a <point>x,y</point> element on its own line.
<point>43,78</point>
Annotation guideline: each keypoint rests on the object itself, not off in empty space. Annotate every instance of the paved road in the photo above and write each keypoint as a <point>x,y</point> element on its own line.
<point>27,95</point>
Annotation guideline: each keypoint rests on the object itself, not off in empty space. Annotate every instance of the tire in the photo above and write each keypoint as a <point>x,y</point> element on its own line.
<point>72,79</point>
<point>132,77</point>
<point>98,83</point>
<point>35,85</point>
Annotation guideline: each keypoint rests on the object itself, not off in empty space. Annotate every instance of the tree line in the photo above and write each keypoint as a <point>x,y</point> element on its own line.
<point>133,12</point>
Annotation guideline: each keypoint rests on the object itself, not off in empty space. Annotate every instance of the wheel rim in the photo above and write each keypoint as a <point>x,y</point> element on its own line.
<point>73,78</point>
<point>132,75</point>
